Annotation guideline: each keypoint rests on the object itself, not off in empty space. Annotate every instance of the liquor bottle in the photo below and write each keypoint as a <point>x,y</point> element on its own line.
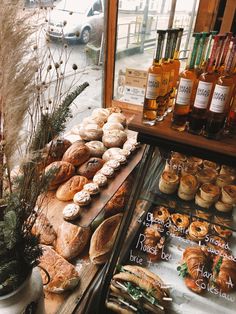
<point>219,106</point>
<point>208,51</point>
<point>153,83</point>
<point>197,118</point>
<point>186,81</point>
<point>166,68</point>
<point>200,53</point>
<point>175,65</point>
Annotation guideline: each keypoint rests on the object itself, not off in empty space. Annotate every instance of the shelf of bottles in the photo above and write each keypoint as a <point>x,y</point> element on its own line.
<point>202,98</point>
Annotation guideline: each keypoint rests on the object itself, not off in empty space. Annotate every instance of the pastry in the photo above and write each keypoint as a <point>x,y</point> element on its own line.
<point>91,132</point>
<point>202,214</point>
<point>161,214</point>
<point>112,126</point>
<point>176,165</point>
<point>107,171</point>
<point>68,189</point>
<point>224,179</point>
<point>90,167</point>
<point>43,229</point>
<point>209,192</point>
<point>71,240</point>
<point>97,148</point>
<point>210,164</point>
<point>187,187</point>
<point>71,212</point>
<point>228,170</point>
<point>76,154</point>
<point>102,113</point>
<point>92,188</point>
<point>195,160</point>
<point>100,179</point>
<point>201,202</point>
<point>207,175</point>
<point>58,172</point>
<point>168,182</point>
<point>189,168</point>
<point>179,224</point>
<point>194,258</point>
<point>223,207</point>
<point>179,156</point>
<point>114,138</point>
<point>103,239</point>
<point>63,275</point>
<point>222,227</point>
<point>228,195</point>
<point>117,118</point>
<point>113,163</point>
<point>82,198</point>
<point>154,241</point>
<point>198,230</point>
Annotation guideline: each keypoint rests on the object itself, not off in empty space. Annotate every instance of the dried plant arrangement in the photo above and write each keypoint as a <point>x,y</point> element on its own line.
<point>34,109</point>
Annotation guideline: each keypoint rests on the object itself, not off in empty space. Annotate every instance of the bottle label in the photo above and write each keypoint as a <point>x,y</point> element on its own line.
<point>203,95</point>
<point>184,91</point>
<point>165,83</point>
<point>153,86</point>
<point>219,98</point>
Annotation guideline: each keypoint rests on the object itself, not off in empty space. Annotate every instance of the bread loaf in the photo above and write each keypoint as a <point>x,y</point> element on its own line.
<point>63,275</point>
<point>76,154</point>
<point>57,147</point>
<point>44,230</point>
<point>68,189</point>
<point>71,240</point>
<point>58,172</point>
<point>103,239</point>
<point>90,167</point>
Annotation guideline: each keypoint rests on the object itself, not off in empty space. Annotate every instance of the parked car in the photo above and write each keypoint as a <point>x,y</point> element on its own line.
<point>76,20</point>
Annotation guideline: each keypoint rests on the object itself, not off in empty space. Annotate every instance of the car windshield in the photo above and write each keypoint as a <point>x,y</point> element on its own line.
<point>74,6</point>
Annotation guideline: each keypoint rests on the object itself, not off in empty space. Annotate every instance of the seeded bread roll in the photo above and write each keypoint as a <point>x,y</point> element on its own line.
<point>90,167</point>
<point>103,238</point>
<point>169,182</point>
<point>67,190</point>
<point>60,171</point>
<point>114,138</point>
<point>71,240</point>
<point>63,275</point>
<point>76,154</point>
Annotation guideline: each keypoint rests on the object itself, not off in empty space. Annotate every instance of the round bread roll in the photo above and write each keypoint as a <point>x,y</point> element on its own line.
<point>92,120</point>
<point>201,202</point>
<point>92,188</point>
<point>97,148</point>
<point>67,190</point>
<point>102,113</point>
<point>59,171</point>
<point>90,167</point>
<point>114,138</point>
<point>57,147</point>
<point>112,126</point>
<point>223,207</point>
<point>112,152</point>
<point>117,118</point>
<point>209,192</point>
<point>76,154</point>
<point>73,138</point>
<point>71,212</point>
<point>229,194</point>
<point>168,182</point>
<point>224,179</point>
<point>100,179</point>
<point>91,132</point>
<point>188,184</point>
<point>207,175</point>
<point>82,198</point>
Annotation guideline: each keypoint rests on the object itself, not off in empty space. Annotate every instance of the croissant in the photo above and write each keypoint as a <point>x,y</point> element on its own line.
<point>195,263</point>
<point>154,242</point>
<point>224,273</point>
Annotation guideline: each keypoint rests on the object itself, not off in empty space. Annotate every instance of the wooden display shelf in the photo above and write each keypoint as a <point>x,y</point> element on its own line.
<point>163,136</point>
<point>53,207</point>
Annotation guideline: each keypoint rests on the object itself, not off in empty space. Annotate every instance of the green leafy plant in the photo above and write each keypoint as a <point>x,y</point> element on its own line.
<point>183,270</point>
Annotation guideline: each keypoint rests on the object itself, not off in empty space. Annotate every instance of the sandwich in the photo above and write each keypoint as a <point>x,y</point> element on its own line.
<point>135,289</point>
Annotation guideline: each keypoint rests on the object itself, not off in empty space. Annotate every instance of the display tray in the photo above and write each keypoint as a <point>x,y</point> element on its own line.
<point>186,207</point>
<point>53,207</point>
<point>184,301</point>
<point>162,135</point>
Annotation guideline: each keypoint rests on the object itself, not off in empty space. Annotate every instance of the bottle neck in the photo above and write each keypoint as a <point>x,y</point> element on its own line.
<point>159,46</point>
<point>201,49</point>
<point>225,49</point>
<point>194,52</point>
<point>230,59</point>
<point>167,50</point>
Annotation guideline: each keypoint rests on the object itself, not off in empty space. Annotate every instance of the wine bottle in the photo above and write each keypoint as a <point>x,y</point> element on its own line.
<point>187,79</point>
<point>219,106</point>
<point>197,118</point>
<point>153,84</point>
